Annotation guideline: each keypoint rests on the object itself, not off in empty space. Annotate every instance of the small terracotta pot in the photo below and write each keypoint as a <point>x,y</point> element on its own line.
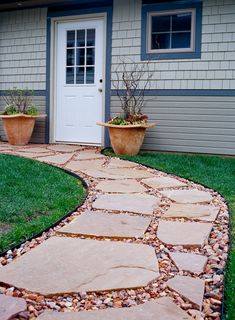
<point>19,128</point>
<point>126,139</point>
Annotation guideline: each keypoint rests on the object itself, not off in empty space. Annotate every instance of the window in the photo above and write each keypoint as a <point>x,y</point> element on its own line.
<point>80,56</point>
<point>171,31</point>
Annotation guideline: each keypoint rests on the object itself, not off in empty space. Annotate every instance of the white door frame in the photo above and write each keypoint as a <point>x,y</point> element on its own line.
<point>53,68</point>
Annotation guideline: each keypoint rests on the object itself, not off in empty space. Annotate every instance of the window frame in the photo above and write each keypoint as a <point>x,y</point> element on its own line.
<point>148,11</point>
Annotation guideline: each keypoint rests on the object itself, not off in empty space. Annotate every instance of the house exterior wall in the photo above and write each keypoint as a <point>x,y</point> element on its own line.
<point>194,123</point>
<point>186,121</point>
<point>215,69</point>
<point>23,59</point>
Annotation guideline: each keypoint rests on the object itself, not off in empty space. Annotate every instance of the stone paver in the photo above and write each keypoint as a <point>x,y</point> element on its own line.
<point>118,173</point>
<point>163,182</point>
<point>89,154</point>
<point>189,261</point>
<point>121,186</point>
<point>108,225</point>
<point>160,309</point>
<point>34,150</point>
<point>33,155</point>
<point>64,265</point>
<point>64,148</point>
<point>10,307</point>
<point>57,158</point>
<point>184,233</point>
<point>191,288</point>
<point>188,196</point>
<point>136,203</point>
<point>118,163</point>
<point>77,165</point>
<point>192,211</point>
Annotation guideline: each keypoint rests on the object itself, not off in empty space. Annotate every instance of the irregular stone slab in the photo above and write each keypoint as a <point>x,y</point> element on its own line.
<point>121,186</point>
<point>34,150</point>
<point>10,307</point>
<point>189,261</point>
<point>184,233</point>
<point>161,309</point>
<point>192,211</point>
<point>102,224</point>
<point>68,265</point>
<point>188,196</point>
<point>137,203</point>
<point>118,163</point>
<point>57,158</point>
<point>163,182</point>
<point>64,148</point>
<point>89,154</point>
<point>191,288</point>
<point>118,173</point>
<point>32,154</point>
<point>78,165</point>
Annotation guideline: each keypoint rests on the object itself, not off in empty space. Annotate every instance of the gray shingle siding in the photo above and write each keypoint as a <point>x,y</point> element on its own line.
<point>23,49</point>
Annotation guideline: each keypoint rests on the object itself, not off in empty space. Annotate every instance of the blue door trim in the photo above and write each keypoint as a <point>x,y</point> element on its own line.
<point>67,13</point>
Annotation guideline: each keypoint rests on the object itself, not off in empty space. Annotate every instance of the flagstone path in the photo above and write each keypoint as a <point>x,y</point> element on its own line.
<point>143,239</point>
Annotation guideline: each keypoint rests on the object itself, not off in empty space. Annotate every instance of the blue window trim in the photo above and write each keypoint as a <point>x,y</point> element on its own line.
<point>67,13</point>
<point>146,9</point>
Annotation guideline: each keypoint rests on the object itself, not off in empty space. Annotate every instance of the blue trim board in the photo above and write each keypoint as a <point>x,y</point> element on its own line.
<point>37,93</point>
<point>67,13</point>
<point>185,92</point>
<point>147,8</point>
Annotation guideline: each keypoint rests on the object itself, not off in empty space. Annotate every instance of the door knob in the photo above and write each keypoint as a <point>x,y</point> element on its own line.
<point>100,90</point>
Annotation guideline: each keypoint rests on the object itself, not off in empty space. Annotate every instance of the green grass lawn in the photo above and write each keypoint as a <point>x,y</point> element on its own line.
<point>216,172</point>
<point>33,196</point>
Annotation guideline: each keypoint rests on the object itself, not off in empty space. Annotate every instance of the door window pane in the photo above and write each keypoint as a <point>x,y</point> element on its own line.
<point>70,39</point>
<point>90,56</point>
<point>80,75</point>
<point>90,37</point>
<point>70,75</point>
<point>70,57</point>
<point>80,60</point>
<point>90,75</point>
<point>81,38</point>
<point>80,57</point>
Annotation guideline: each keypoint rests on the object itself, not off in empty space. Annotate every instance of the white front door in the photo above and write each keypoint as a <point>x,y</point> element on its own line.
<point>79,81</point>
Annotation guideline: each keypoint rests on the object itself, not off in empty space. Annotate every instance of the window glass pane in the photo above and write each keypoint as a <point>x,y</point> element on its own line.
<point>90,56</point>
<point>160,23</point>
<point>70,38</point>
<point>70,57</point>
<point>91,37</point>
<point>90,74</point>
<point>161,41</point>
<point>181,40</point>
<point>80,38</point>
<point>181,22</point>
<point>80,57</point>
<point>69,75</point>
<point>80,75</point>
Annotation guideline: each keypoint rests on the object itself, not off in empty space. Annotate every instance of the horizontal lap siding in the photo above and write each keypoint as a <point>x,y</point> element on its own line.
<point>189,124</point>
<point>39,129</point>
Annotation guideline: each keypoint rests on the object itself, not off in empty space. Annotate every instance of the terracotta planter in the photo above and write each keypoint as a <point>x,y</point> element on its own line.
<point>19,127</point>
<point>127,139</point>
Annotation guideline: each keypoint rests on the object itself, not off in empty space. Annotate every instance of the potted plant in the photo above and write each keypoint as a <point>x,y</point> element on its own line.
<point>19,116</point>
<point>127,130</point>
